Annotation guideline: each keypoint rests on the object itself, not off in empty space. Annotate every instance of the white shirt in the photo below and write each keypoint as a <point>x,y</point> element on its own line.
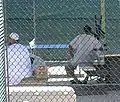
<point>83,45</point>
<point>19,64</point>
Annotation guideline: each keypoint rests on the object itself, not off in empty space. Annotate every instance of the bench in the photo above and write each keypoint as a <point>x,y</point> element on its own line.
<point>97,70</point>
<point>109,70</point>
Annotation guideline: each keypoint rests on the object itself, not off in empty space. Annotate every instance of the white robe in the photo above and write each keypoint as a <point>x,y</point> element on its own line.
<point>19,64</point>
<point>83,45</point>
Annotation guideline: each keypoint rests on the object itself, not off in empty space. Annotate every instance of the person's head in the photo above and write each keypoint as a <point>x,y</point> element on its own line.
<point>13,38</point>
<point>87,29</point>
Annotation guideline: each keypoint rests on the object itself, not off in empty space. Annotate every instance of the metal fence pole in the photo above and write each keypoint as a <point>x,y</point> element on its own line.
<point>2,57</point>
<point>103,15</point>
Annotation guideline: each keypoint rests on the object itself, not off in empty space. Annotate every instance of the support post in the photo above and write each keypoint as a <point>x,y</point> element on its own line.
<point>2,56</point>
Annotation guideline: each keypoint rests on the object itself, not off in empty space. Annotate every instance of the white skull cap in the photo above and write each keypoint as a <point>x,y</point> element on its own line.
<point>14,36</point>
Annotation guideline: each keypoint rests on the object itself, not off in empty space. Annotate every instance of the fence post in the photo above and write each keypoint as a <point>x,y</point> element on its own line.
<point>2,56</point>
<point>103,15</point>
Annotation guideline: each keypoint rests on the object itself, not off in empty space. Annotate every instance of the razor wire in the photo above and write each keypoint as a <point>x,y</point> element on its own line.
<point>39,33</point>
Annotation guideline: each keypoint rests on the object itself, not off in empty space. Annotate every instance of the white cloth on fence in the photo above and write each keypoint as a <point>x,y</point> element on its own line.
<point>83,45</point>
<point>19,64</point>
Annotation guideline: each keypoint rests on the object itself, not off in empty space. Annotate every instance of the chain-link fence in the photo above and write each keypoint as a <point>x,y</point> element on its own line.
<point>2,57</point>
<point>63,51</point>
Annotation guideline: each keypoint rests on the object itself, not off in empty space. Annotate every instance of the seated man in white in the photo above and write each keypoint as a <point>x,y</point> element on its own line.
<point>83,50</point>
<point>19,64</point>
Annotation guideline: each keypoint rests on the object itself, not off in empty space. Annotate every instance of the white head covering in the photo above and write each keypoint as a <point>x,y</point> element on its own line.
<point>14,36</point>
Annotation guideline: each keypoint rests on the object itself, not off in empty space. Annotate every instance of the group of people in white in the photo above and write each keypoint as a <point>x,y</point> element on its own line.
<point>81,50</point>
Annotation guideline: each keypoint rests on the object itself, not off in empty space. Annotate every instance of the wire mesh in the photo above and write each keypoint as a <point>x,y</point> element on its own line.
<point>2,66</point>
<point>63,51</point>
